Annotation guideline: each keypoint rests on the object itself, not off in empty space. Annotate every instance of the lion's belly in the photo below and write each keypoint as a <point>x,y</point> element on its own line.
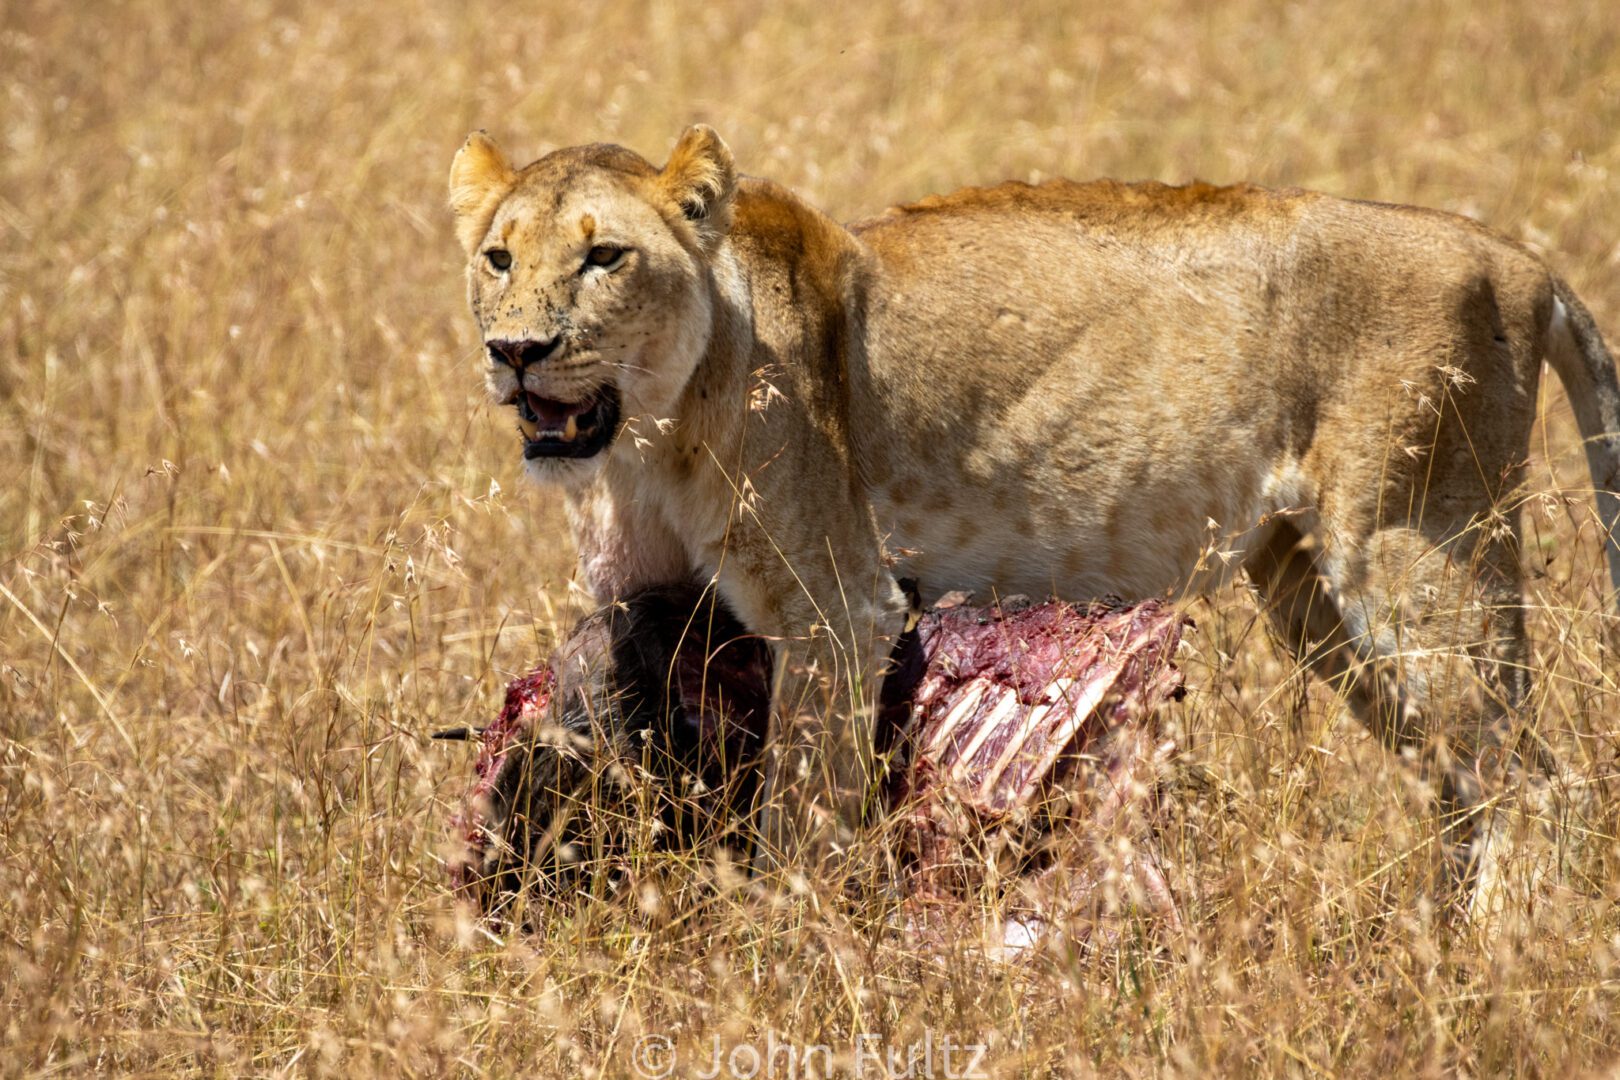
<point>1177,528</point>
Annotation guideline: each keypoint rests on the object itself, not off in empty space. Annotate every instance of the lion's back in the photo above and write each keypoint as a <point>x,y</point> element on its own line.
<point>1159,274</point>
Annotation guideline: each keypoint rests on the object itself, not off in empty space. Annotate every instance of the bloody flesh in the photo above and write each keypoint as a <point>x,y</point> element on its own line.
<point>990,715</point>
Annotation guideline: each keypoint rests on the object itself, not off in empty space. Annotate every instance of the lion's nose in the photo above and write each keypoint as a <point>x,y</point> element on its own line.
<point>520,354</point>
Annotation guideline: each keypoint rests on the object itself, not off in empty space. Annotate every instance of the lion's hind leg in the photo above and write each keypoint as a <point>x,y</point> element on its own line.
<point>1425,644</point>
<point>1434,621</point>
<point>1305,620</point>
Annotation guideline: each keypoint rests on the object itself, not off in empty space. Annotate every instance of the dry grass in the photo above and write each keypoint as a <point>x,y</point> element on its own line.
<point>259,534</point>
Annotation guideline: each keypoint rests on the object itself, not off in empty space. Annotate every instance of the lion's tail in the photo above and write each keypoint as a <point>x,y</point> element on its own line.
<point>1576,351</point>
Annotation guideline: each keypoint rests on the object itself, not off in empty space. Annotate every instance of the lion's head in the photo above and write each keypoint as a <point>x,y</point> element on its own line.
<point>588,273</point>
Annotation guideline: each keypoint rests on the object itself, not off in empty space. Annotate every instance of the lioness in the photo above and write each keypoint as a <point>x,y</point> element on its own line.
<point>1066,388</point>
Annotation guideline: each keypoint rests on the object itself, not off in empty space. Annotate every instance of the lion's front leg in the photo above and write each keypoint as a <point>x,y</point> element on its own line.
<point>832,624</point>
<point>820,765</point>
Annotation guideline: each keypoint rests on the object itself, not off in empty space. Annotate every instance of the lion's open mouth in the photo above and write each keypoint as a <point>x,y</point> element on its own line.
<point>570,429</point>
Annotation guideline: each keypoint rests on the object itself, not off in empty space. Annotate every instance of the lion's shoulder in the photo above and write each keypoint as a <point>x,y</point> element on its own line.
<point>773,219</point>
<point>797,254</point>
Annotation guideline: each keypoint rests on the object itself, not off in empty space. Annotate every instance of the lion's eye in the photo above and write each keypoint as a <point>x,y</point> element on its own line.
<point>603,255</point>
<point>499,258</point>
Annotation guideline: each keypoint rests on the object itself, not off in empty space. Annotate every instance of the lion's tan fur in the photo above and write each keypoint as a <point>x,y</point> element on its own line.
<point>1067,388</point>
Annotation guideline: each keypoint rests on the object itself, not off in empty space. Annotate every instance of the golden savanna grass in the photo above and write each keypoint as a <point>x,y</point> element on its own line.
<point>260,535</point>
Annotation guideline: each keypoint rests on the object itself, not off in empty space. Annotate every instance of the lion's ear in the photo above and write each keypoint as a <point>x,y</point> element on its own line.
<point>700,179</point>
<point>480,177</point>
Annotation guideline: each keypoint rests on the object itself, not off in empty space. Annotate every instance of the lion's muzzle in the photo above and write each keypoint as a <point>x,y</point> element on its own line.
<point>520,354</point>
<point>568,429</point>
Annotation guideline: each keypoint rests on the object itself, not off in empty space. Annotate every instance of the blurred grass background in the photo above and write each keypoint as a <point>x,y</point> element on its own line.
<point>259,534</point>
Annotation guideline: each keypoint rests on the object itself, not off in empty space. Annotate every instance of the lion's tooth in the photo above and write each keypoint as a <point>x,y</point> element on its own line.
<point>570,429</point>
